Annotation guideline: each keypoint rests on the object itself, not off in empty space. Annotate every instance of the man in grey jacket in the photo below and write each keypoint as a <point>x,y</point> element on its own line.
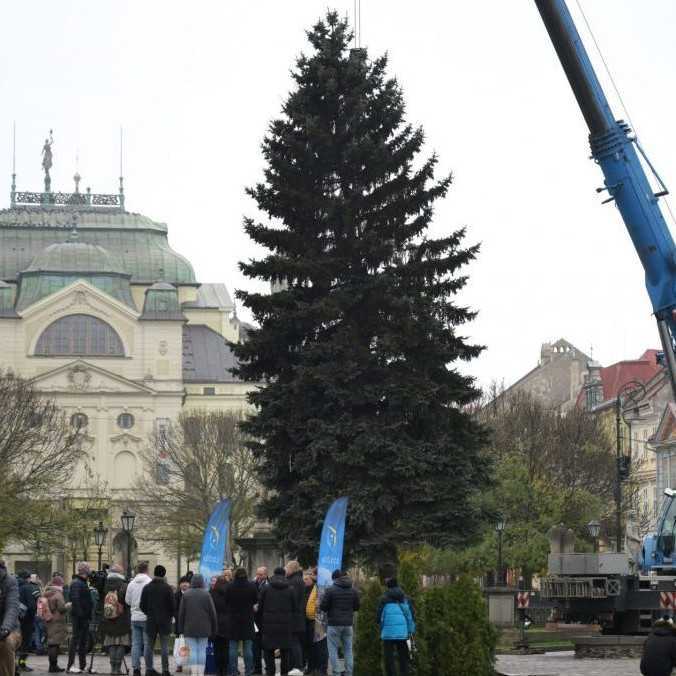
<point>10,637</point>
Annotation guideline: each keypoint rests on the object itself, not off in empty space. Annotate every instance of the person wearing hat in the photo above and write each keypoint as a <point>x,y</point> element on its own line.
<point>81,610</point>
<point>340,602</point>
<point>197,621</point>
<point>57,632</point>
<point>277,607</point>
<point>659,649</point>
<point>157,604</point>
<point>10,637</point>
<point>29,593</point>
<point>116,623</point>
<point>397,626</point>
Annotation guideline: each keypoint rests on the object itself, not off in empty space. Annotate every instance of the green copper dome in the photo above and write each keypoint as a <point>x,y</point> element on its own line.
<point>137,241</point>
<point>59,265</point>
<point>76,256</point>
<point>161,302</point>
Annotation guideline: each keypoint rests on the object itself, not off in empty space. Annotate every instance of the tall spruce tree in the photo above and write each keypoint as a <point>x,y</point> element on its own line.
<point>357,342</point>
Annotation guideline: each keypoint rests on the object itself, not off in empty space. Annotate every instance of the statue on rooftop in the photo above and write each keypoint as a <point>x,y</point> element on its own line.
<point>47,160</point>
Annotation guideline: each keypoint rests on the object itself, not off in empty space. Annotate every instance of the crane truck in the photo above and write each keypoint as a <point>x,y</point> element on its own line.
<point>623,594</point>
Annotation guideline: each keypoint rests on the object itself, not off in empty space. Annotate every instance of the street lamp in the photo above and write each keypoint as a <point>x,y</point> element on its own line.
<point>500,527</point>
<point>127,520</point>
<point>594,528</point>
<point>628,396</point>
<point>100,533</point>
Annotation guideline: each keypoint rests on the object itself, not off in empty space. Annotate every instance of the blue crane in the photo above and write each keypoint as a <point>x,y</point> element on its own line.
<point>615,149</point>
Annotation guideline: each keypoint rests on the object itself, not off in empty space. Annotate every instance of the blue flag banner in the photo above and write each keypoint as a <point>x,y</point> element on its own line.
<point>216,544</point>
<point>331,545</point>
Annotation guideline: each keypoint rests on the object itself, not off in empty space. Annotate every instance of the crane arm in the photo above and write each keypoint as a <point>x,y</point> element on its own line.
<point>615,151</point>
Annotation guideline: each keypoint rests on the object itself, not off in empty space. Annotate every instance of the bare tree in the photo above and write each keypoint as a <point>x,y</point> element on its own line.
<point>38,452</point>
<point>550,468</point>
<point>188,469</point>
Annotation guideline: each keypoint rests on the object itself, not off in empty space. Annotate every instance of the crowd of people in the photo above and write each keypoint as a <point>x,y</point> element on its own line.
<point>283,616</point>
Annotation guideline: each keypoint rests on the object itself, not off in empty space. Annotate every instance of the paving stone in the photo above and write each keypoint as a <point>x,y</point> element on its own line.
<point>40,664</point>
<point>564,664</point>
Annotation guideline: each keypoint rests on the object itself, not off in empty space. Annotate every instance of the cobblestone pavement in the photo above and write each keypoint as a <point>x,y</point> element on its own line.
<point>551,664</point>
<point>564,664</point>
<point>40,665</point>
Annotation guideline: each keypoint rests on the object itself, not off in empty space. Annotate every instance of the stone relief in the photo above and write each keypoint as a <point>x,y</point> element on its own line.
<point>102,386</point>
<point>79,299</point>
<point>125,440</point>
<point>163,347</point>
<point>79,378</point>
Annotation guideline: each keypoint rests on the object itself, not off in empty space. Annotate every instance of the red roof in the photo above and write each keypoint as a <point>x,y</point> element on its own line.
<point>614,377</point>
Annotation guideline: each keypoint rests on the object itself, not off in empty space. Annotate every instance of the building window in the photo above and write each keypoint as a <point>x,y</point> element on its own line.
<point>79,421</point>
<point>210,391</point>
<point>125,421</point>
<point>162,428</point>
<point>593,397</point>
<point>79,335</point>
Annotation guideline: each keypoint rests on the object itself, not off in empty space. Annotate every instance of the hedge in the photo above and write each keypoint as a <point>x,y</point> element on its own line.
<point>454,636</point>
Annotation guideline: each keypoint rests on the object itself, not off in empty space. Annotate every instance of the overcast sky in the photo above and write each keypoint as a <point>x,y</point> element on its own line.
<point>194,85</point>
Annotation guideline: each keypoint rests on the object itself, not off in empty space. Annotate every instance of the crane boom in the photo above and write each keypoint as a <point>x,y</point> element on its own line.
<point>615,150</point>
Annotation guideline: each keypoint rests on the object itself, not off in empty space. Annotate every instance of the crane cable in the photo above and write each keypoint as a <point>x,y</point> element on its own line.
<point>617,92</point>
<point>357,23</point>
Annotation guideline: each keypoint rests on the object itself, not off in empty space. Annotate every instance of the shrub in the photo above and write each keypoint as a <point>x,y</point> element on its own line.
<point>368,651</point>
<point>454,636</point>
<point>457,636</point>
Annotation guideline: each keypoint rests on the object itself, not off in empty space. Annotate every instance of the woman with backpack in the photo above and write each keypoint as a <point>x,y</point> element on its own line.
<point>397,626</point>
<point>116,623</point>
<point>52,610</point>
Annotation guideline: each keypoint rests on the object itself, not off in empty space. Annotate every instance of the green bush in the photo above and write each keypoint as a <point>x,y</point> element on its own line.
<point>368,651</point>
<point>454,636</point>
<point>457,637</point>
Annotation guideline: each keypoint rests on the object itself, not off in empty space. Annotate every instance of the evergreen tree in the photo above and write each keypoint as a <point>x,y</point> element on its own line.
<point>358,342</point>
<point>367,644</point>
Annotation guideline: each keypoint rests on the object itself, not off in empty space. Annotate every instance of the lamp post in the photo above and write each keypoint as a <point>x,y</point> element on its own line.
<point>594,528</point>
<point>127,520</point>
<point>100,533</point>
<point>500,527</point>
<point>629,394</point>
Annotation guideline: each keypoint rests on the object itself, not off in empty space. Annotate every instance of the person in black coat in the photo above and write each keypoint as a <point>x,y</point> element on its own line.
<point>116,630</point>
<point>277,607</point>
<point>261,580</point>
<point>157,603</point>
<point>183,586</point>
<point>294,574</point>
<point>81,611</point>
<point>659,650</point>
<point>28,595</point>
<point>340,602</point>
<point>241,598</point>
<point>220,641</point>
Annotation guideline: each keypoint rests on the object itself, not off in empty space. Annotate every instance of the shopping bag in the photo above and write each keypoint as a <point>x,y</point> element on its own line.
<point>181,651</point>
<point>210,663</point>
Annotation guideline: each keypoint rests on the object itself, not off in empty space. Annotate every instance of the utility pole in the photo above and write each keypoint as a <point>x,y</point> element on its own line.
<point>619,471</point>
<point>634,391</point>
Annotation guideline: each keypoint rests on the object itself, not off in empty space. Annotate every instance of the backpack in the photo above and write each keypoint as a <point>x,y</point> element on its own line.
<point>44,612</point>
<point>112,608</point>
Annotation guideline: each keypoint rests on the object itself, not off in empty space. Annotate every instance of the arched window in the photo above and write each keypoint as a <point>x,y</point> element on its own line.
<point>79,335</point>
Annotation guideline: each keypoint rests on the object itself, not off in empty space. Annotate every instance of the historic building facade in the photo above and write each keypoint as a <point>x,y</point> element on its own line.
<point>557,378</point>
<point>107,319</point>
